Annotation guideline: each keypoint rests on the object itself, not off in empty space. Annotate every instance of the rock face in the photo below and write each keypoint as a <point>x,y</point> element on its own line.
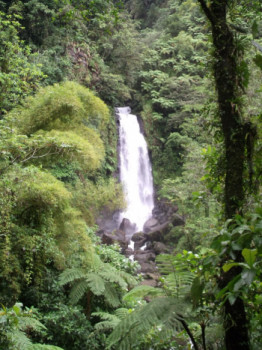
<point>147,244</point>
<point>116,236</point>
<point>127,227</point>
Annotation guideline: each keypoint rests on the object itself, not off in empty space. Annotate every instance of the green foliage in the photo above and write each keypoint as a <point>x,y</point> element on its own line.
<point>67,327</point>
<point>91,199</point>
<point>16,325</point>
<point>58,106</point>
<point>99,278</point>
<point>19,74</point>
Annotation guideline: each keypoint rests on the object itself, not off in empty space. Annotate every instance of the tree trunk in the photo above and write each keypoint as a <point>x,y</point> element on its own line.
<point>227,85</point>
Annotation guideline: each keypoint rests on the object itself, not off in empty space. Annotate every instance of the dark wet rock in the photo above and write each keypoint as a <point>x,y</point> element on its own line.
<point>129,252</point>
<point>144,256</point>
<point>149,282</point>
<point>127,226</point>
<point>139,236</point>
<point>178,220</point>
<point>140,244</point>
<point>116,237</point>
<point>160,248</point>
<point>148,267</point>
<point>158,233</point>
<point>150,224</point>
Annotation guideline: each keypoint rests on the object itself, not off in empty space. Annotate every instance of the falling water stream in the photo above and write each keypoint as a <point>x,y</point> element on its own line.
<point>135,171</point>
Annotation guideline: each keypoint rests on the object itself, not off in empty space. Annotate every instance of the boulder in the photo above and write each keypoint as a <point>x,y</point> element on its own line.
<point>147,267</point>
<point>117,237</point>
<point>160,248</point>
<point>139,236</point>
<point>127,227</point>
<point>149,282</point>
<point>144,256</point>
<point>139,244</point>
<point>150,224</point>
<point>178,220</point>
<point>158,233</point>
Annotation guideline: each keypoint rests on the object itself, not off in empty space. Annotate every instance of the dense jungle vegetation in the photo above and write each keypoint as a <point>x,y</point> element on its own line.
<point>192,69</point>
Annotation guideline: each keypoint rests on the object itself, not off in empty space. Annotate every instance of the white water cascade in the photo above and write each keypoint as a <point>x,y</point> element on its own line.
<point>135,171</point>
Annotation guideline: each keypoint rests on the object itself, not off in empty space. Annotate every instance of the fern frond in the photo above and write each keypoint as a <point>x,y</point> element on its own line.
<point>142,291</point>
<point>179,283</point>
<point>19,340</point>
<point>95,283</point>
<point>161,312</point>
<point>105,316</point>
<point>122,313</point>
<point>30,322</point>
<point>165,264</point>
<point>130,280</point>
<point>43,347</point>
<point>96,263</point>
<point>112,275</point>
<point>109,321</point>
<point>107,325</point>
<point>70,275</point>
<point>78,291</point>
<point>111,295</point>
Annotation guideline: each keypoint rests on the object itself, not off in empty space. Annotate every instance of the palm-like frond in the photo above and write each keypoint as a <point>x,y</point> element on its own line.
<point>70,275</point>
<point>78,291</point>
<point>130,280</point>
<point>163,312</point>
<point>110,274</point>
<point>30,322</point>
<point>109,322</point>
<point>179,283</point>
<point>43,347</point>
<point>122,313</point>
<point>142,291</point>
<point>19,340</point>
<point>96,283</point>
<point>111,295</point>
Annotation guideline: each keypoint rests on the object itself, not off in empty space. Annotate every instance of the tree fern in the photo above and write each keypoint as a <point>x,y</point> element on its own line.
<point>96,283</point>
<point>109,321</point>
<point>43,347</point>
<point>142,291</point>
<point>78,291</point>
<point>111,295</point>
<point>100,278</point>
<point>163,312</point>
<point>70,275</point>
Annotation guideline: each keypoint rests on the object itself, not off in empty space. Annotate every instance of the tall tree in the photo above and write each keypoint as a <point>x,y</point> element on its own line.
<point>227,58</point>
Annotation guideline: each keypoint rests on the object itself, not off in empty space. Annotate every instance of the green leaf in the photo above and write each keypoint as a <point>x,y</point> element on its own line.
<point>228,266</point>
<point>254,29</point>
<point>196,291</point>
<point>248,276</point>
<point>232,299</point>
<point>249,256</point>
<point>258,60</point>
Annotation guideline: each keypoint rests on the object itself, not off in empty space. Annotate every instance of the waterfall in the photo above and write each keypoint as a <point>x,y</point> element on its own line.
<point>135,171</point>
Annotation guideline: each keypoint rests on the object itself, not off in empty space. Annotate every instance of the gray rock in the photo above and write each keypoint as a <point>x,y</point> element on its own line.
<point>118,237</point>
<point>139,244</point>
<point>150,224</point>
<point>160,248</point>
<point>148,267</point>
<point>158,233</point>
<point>139,236</point>
<point>149,282</point>
<point>177,220</point>
<point>144,256</point>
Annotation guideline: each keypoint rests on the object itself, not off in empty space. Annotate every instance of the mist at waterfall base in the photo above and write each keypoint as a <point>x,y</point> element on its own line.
<point>135,172</point>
